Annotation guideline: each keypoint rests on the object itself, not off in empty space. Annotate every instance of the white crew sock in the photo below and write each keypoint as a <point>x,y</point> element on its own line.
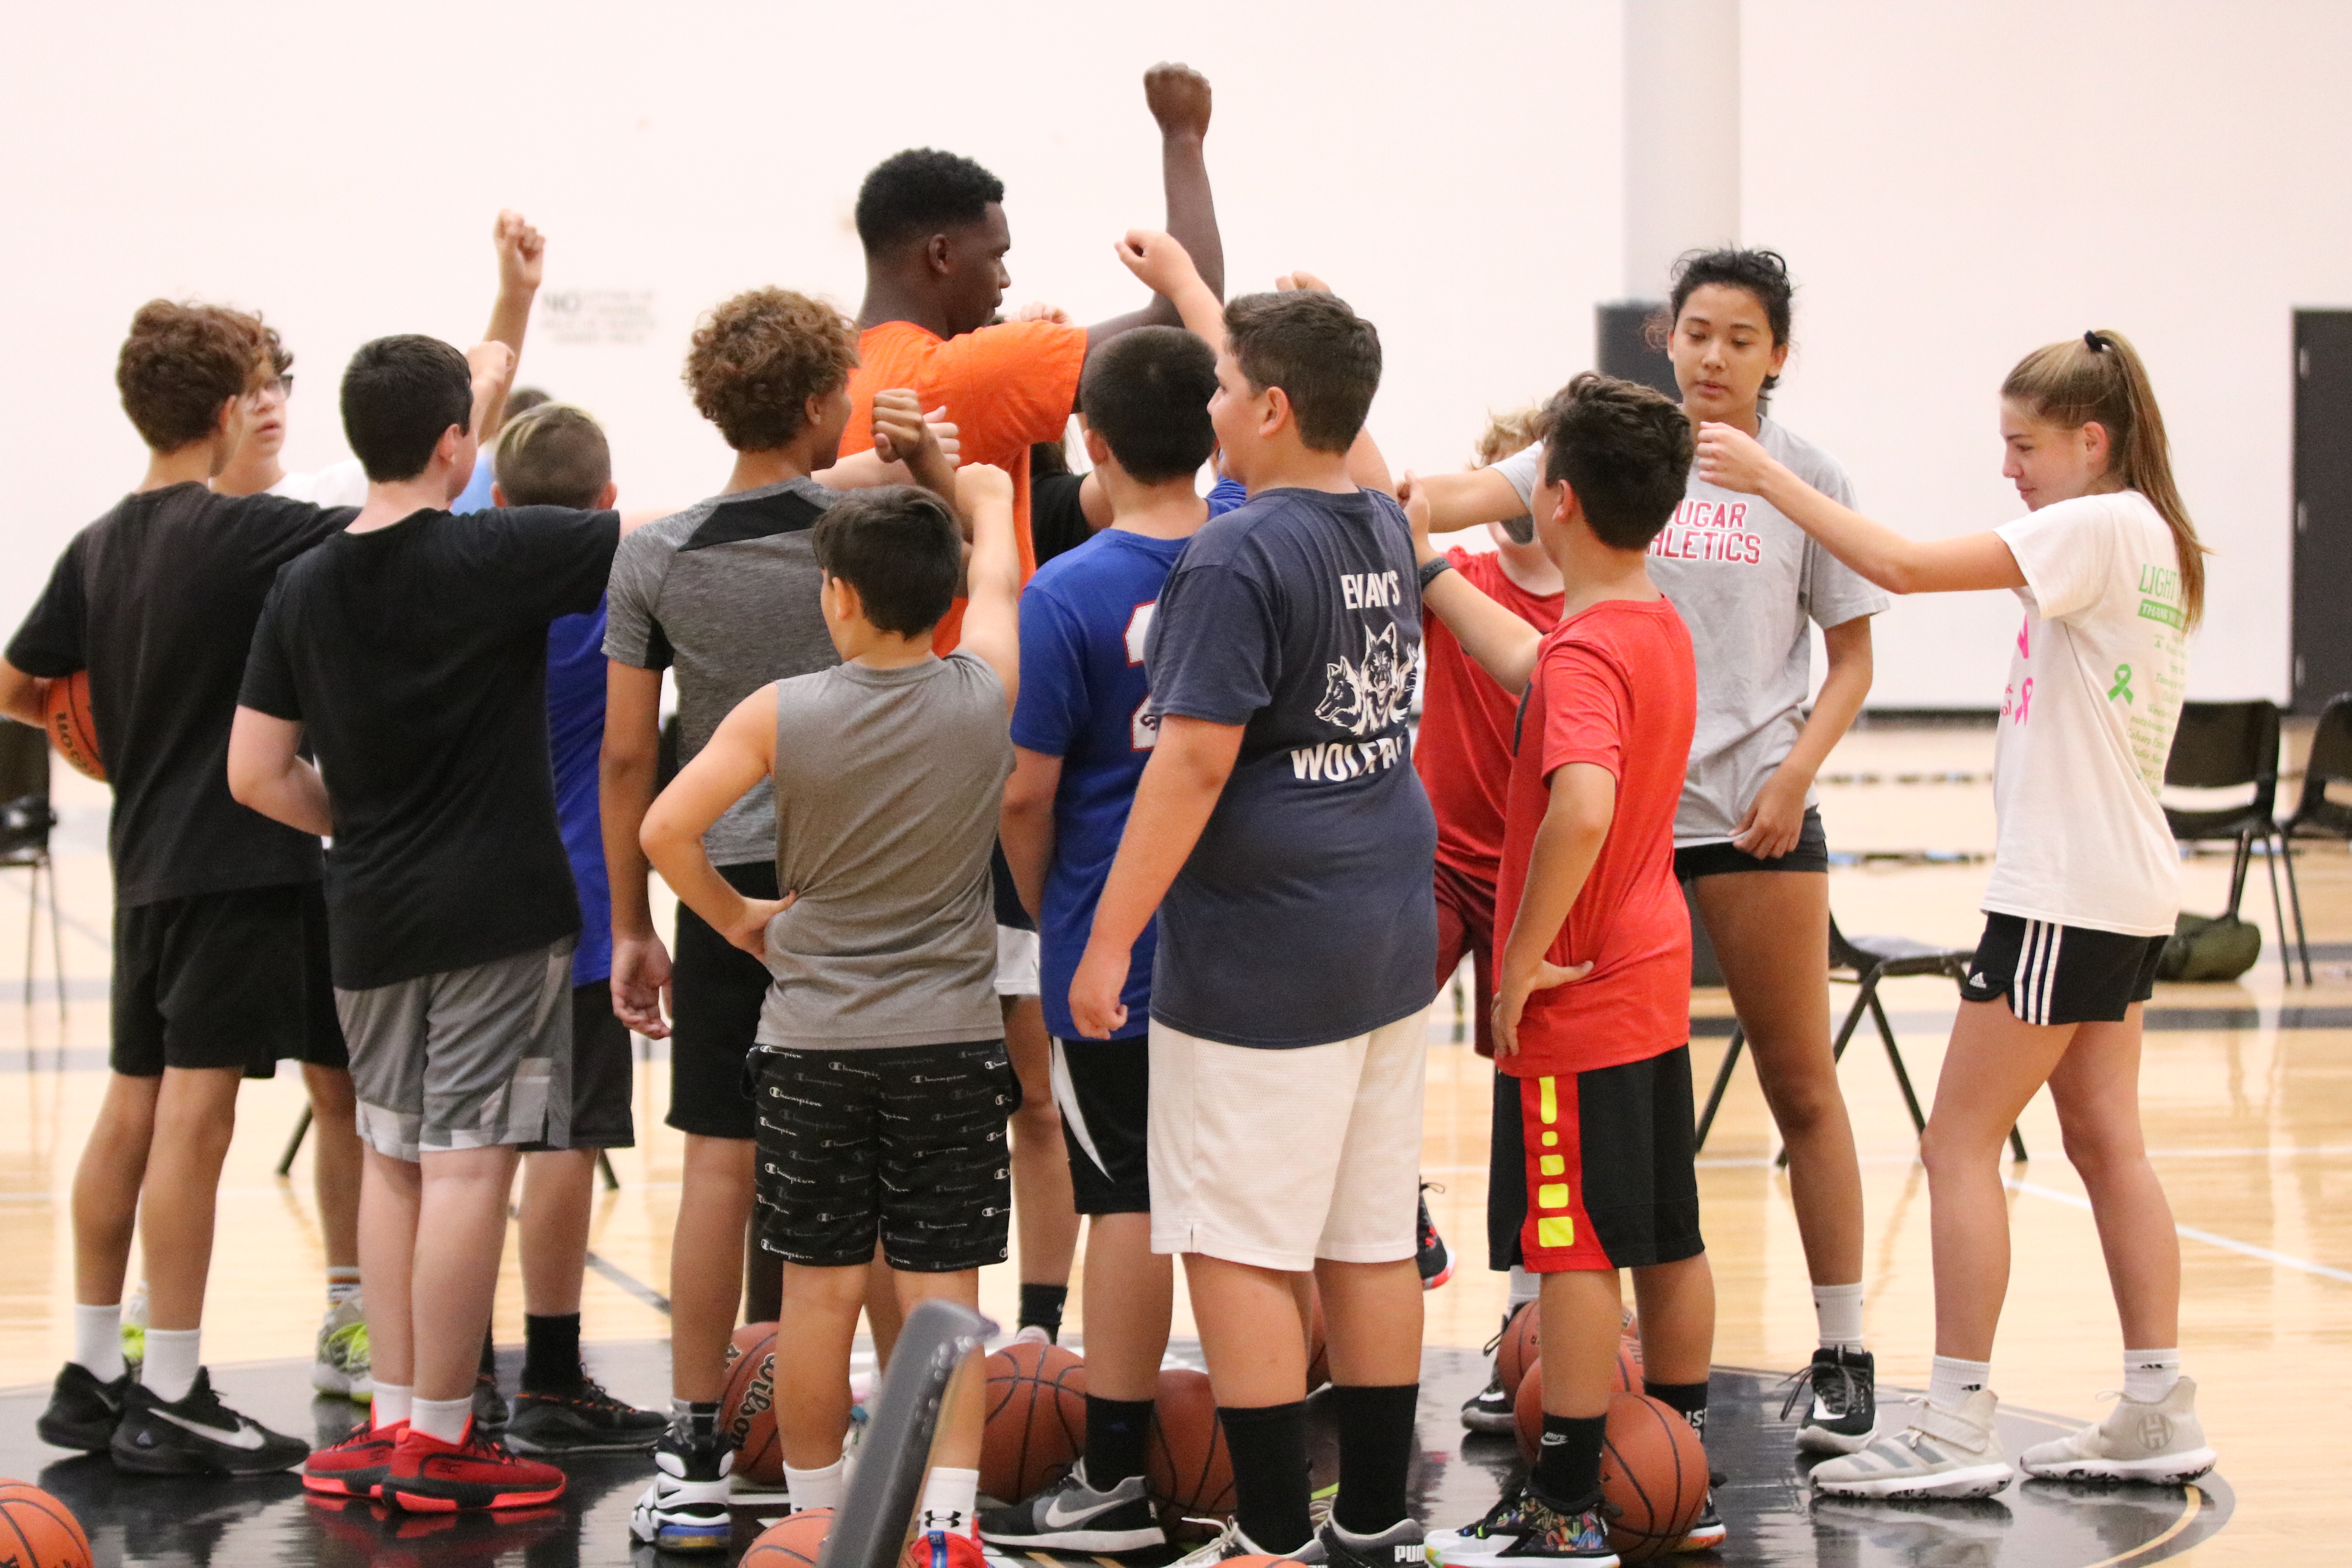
<point>392,1405</point>
<point>1838,1309</point>
<point>950,1501</point>
<point>174,1359</point>
<point>1525,1287</point>
<point>98,1340</point>
<point>1953,1380</point>
<point>817,1488</point>
<point>343,1284</point>
<point>442,1419</point>
<point>2150,1375</point>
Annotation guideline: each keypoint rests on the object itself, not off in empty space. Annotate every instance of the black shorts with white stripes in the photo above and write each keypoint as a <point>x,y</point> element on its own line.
<point>905,1144</point>
<point>2053,973</point>
<point>1103,1089</point>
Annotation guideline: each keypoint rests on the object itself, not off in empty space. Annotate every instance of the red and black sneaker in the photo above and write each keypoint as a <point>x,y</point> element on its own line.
<point>356,1466</point>
<point>1432,1257</point>
<point>429,1476</point>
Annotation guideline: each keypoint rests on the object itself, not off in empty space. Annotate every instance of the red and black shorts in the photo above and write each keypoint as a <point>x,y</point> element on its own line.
<point>1593,1169</point>
<point>1465,928</point>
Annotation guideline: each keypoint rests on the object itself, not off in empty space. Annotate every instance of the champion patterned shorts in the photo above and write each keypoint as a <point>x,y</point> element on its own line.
<point>2052,973</point>
<point>905,1145</point>
<point>1607,1157</point>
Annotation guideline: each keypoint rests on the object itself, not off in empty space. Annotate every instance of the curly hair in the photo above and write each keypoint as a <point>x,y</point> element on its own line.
<point>919,193</point>
<point>1626,449</point>
<point>757,360</point>
<point>1508,433</point>
<point>181,362</point>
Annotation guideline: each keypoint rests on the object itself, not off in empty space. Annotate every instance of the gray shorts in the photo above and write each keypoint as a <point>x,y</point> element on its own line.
<point>468,1058</point>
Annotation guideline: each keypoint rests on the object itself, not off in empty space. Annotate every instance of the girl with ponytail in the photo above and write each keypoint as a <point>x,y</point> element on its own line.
<point>2083,891</point>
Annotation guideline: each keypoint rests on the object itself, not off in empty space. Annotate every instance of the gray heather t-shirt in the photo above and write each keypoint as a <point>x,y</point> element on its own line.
<point>727,591</point>
<point>887,786</point>
<point>1745,580</point>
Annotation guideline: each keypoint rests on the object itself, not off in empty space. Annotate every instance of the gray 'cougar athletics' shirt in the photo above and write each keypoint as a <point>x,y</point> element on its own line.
<point>1745,580</point>
<point>727,592</point>
<point>887,786</point>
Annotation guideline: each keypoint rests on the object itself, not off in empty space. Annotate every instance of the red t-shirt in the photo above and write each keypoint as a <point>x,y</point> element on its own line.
<point>1005,389</point>
<point>1614,686</point>
<point>1463,751</point>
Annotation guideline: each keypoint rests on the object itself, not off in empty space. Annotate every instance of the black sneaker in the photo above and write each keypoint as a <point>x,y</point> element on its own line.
<point>489,1405</point>
<point>198,1436</point>
<point>1494,1409</point>
<point>586,1420</point>
<point>1431,1256</point>
<point>1842,1386</point>
<point>83,1412</point>
<point>1707,1531</point>
<point>1525,1526</point>
<point>1072,1516</point>
<point>1401,1545</point>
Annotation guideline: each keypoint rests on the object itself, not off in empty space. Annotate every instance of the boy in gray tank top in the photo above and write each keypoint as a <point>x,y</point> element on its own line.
<point>884,1084</point>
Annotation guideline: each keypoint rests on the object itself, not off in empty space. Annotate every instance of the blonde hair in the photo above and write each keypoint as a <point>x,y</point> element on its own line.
<point>552,455</point>
<point>1508,433</point>
<point>2099,376</point>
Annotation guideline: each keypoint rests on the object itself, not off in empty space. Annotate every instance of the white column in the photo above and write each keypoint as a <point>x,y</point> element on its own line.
<point>1682,134</point>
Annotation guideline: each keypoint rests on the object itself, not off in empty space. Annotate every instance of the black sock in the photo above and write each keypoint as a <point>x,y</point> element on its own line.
<point>490,1355</point>
<point>702,1417</point>
<point>551,1354</point>
<point>1689,1399</point>
<point>1041,1307</point>
<point>1375,1451</point>
<point>1567,1465</point>
<point>1269,1444</point>
<point>1117,1433</point>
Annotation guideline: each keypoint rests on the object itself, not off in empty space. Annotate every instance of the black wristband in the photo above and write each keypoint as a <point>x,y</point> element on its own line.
<point>1430,570</point>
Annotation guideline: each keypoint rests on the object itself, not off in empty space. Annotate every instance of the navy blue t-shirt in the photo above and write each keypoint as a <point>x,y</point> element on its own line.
<point>1083,621</point>
<point>575,737</point>
<point>1304,913</point>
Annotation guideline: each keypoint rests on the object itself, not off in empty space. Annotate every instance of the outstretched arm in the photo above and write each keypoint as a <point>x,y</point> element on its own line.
<point>740,753</point>
<point>991,620</point>
<point>1457,501</point>
<point>1732,458</point>
<point>1179,99</point>
<point>267,773</point>
<point>1504,645</point>
<point>522,262</point>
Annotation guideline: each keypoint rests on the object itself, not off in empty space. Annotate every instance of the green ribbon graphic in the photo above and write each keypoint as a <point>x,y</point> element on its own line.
<point>2122,688</point>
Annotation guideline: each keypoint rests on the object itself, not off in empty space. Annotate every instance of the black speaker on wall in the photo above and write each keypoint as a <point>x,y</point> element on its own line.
<point>1624,352</point>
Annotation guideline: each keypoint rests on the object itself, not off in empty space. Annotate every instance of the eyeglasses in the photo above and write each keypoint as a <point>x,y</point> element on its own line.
<point>283,385</point>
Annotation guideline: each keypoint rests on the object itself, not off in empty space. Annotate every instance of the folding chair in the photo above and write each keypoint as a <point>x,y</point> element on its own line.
<point>2316,816</point>
<point>26,820</point>
<point>1870,958</point>
<point>2235,745</point>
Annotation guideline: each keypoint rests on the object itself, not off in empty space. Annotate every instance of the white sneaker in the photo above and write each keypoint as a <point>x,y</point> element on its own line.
<point>1035,1334</point>
<point>2158,1440</point>
<point>340,1365</point>
<point>1945,1453</point>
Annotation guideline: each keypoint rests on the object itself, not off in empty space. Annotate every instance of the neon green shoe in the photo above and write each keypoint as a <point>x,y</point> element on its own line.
<point>342,1366</point>
<point>134,1332</point>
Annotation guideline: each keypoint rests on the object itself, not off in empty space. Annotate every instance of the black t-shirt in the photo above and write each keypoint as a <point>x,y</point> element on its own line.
<point>415,657</point>
<point>157,600</point>
<point>1056,521</point>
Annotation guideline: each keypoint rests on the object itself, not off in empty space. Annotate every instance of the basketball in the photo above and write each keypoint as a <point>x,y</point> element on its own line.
<point>72,731</point>
<point>747,1412</point>
<point>1517,1349</point>
<point>1527,1405</point>
<point>1653,1472</point>
<point>1186,1466</point>
<point>791,1541</point>
<point>1037,1419</point>
<point>1625,1374</point>
<point>37,1530</point>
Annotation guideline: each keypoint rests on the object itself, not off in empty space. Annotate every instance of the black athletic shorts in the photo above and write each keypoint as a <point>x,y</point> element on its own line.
<point>1606,1155</point>
<point>716,990</point>
<point>1811,854</point>
<point>238,979</point>
<point>603,1075</point>
<point>1103,1089</point>
<point>2061,974</point>
<point>906,1145</point>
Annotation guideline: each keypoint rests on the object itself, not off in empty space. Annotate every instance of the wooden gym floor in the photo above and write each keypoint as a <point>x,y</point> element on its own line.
<point>2247,1090</point>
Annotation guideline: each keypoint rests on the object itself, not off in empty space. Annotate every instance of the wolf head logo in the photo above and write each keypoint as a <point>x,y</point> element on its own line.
<point>1367,698</point>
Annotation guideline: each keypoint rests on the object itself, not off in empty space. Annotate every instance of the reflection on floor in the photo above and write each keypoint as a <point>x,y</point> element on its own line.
<point>1773,1517</point>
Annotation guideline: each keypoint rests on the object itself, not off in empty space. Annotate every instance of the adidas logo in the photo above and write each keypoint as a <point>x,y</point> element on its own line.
<point>1977,978</point>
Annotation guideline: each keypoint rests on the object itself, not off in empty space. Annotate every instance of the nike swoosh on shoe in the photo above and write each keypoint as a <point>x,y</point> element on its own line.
<point>1056,1519</point>
<point>238,1436</point>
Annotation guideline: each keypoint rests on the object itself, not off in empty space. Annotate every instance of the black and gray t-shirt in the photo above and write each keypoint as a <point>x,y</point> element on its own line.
<point>727,592</point>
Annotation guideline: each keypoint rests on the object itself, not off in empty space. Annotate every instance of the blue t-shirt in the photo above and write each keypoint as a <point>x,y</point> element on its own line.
<point>1225,495</point>
<point>1083,620</point>
<point>1304,913</point>
<point>575,735</point>
<point>476,496</point>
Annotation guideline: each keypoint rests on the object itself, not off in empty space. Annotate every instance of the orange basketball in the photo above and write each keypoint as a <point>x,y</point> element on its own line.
<point>1653,1470</point>
<point>747,1404</point>
<point>1517,1349</point>
<point>1186,1465</point>
<point>1625,1376</point>
<point>1527,1405</point>
<point>37,1530</point>
<point>72,731</point>
<point>1037,1419</point>
<point>792,1542</point>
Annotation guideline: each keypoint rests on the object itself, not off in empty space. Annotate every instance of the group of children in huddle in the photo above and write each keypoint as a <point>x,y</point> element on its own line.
<point>1183,752</point>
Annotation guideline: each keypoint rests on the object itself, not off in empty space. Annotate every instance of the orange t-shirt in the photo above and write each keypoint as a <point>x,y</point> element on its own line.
<point>1004,389</point>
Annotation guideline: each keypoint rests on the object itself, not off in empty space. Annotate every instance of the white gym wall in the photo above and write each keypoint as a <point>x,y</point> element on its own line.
<point>1952,186</point>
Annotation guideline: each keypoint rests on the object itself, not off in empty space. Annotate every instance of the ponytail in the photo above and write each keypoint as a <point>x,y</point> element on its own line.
<point>2099,376</point>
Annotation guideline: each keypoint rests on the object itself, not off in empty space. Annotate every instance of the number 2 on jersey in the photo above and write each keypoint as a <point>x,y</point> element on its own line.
<point>1144,734</point>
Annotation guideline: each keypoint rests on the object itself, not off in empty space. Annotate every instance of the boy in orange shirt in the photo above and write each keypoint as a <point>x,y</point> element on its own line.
<point>1592,983</point>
